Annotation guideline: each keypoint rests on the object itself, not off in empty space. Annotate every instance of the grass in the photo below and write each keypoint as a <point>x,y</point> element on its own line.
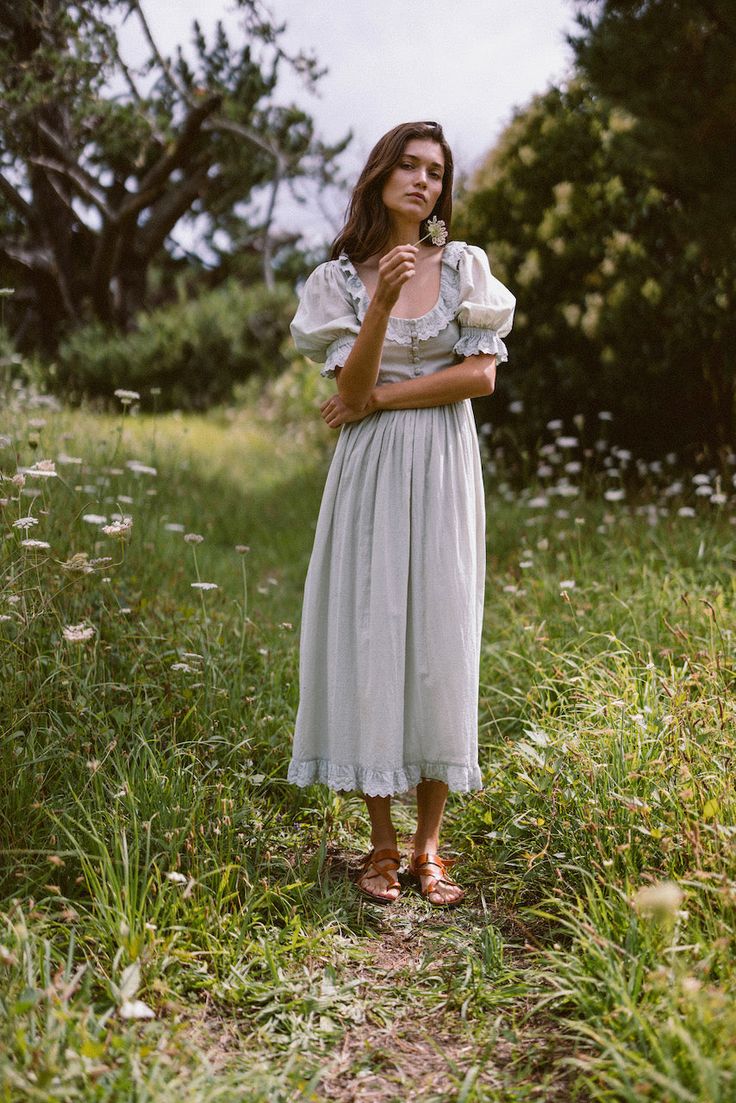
<point>176,921</point>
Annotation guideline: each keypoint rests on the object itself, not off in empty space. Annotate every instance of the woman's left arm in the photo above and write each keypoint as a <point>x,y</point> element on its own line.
<point>471,378</point>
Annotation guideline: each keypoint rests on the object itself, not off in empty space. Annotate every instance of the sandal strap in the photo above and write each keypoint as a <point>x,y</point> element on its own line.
<point>434,860</point>
<point>372,869</point>
<point>387,852</point>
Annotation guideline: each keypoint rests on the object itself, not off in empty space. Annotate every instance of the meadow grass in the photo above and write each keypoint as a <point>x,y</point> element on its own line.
<point>177,922</point>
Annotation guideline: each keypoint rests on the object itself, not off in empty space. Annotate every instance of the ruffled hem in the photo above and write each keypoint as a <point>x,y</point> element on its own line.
<point>475,339</point>
<point>337,354</point>
<point>382,783</point>
<point>402,331</point>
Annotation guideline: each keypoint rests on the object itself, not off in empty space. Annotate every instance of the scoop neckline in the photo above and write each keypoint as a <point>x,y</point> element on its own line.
<point>398,317</point>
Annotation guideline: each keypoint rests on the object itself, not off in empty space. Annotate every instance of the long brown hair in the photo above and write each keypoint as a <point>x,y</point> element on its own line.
<point>367,227</point>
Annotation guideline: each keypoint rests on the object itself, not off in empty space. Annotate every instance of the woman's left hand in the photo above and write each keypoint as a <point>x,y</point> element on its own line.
<point>336,412</point>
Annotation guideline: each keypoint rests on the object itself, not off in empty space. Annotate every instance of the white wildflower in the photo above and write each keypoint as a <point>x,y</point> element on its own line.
<point>204,585</point>
<point>686,511</point>
<point>567,442</point>
<point>140,468</point>
<point>193,538</point>
<point>25,522</point>
<point>35,544</point>
<point>76,633</point>
<point>45,468</point>
<point>79,561</point>
<point>614,495</point>
<point>567,584</point>
<point>174,526</point>
<point>118,528</point>
<point>177,878</point>
<point>436,230</point>
<point>94,518</point>
<point>126,397</point>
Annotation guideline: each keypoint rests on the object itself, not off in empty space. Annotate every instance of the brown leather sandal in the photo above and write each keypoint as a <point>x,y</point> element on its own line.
<point>371,869</point>
<point>418,864</point>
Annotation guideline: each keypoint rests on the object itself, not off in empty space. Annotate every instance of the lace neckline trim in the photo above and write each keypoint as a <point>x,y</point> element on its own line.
<point>404,330</point>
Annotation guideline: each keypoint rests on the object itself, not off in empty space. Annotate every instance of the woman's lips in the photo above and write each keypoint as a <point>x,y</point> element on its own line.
<point>416,195</point>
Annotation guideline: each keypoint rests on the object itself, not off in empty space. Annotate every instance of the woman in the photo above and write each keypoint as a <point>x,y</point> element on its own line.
<point>393,598</point>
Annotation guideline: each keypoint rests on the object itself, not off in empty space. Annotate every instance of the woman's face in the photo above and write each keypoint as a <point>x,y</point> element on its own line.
<point>415,182</point>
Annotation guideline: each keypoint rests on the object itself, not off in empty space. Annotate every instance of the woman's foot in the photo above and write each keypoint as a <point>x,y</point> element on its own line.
<point>435,883</point>
<point>378,879</point>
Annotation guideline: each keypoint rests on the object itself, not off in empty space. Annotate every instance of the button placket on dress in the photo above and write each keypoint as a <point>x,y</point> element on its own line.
<point>415,348</point>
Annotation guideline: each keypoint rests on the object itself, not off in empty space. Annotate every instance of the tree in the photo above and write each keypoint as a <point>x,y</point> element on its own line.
<point>671,64</point>
<point>618,309</point>
<point>92,184</point>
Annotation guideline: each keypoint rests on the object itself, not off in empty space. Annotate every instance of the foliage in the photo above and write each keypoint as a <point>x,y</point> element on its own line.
<point>100,163</point>
<point>670,64</point>
<point>188,355</point>
<point>617,308</point>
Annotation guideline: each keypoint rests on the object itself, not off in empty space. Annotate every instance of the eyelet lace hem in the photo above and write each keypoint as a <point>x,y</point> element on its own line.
<point>474,339</point>
<point>382,783</point>
<point>403,330</point>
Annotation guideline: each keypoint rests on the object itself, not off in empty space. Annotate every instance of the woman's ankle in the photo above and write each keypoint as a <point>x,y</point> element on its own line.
<point>385,842</point>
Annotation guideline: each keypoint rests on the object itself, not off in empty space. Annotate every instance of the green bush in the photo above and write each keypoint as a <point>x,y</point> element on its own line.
<point>194,351</point>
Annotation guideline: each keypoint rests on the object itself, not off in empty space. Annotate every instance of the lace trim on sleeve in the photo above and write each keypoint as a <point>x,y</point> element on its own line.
<point>475,339</point>
<point>337,354</point>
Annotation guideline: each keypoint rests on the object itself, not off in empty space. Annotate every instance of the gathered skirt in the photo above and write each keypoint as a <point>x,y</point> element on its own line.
<point>392,614</point>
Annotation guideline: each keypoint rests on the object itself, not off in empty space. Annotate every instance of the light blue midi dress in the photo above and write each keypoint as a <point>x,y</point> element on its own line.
<point>392,613</point>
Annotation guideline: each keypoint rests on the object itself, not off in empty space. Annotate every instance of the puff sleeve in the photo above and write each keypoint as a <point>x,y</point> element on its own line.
<point>325,325</point>
<point>486,309</point>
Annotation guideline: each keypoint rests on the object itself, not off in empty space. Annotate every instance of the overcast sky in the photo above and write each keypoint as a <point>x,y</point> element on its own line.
<point>465,63</point>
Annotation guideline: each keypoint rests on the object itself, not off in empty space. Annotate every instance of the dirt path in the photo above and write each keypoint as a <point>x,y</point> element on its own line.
<point>436,1028</point>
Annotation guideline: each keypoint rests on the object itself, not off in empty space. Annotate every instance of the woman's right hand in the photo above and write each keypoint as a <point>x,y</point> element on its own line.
<point>394,269</point>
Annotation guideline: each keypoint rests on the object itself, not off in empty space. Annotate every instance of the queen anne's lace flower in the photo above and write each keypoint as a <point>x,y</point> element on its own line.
<point>126,397</point>
<point>76,633</point>
<point>436,230</point>
<point>118,528</point>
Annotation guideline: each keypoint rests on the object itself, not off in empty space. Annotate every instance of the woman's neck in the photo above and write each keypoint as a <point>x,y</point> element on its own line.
<point>404,231</point>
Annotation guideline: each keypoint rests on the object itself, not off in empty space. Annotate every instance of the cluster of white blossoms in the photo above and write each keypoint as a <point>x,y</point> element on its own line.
<point>120,527</point>
<point>77,633</point>
<point>126,397</point>
<point>436,230</point>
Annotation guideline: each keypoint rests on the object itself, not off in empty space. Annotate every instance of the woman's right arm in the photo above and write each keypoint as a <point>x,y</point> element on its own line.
<point>357,378</point>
